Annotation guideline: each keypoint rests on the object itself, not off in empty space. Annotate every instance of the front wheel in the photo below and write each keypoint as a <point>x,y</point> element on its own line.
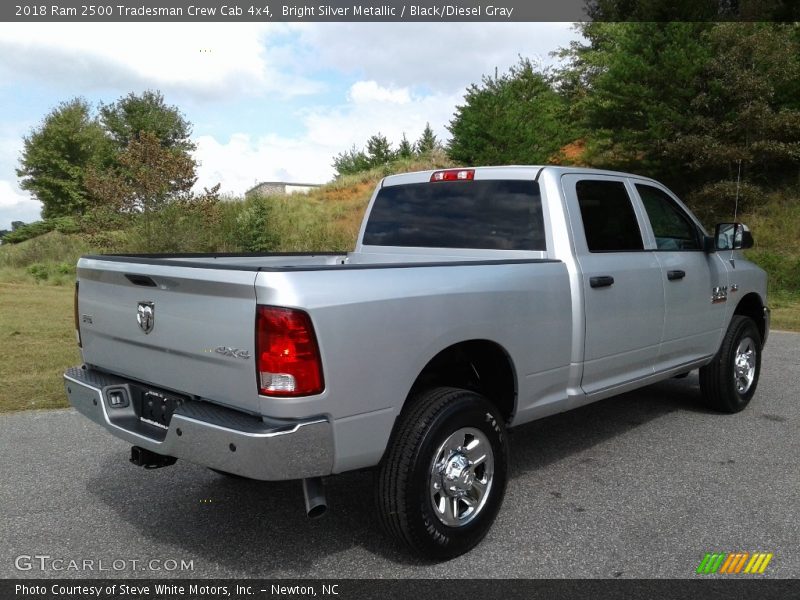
<point>443,478</point>
<point>729,381</point>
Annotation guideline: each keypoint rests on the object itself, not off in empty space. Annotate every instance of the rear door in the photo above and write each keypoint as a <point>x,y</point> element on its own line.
<point>186,329</point>
<point>693,322</point>
<point>622,288</point>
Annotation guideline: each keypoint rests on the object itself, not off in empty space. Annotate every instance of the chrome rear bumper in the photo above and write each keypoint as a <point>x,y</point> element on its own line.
<point>208,434</point>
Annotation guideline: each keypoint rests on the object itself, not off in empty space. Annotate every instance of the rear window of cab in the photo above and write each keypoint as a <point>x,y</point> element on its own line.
<point>494,214</point>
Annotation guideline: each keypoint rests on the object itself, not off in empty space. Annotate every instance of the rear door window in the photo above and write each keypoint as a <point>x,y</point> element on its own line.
<point>490,214</point>
<point>609,220</point>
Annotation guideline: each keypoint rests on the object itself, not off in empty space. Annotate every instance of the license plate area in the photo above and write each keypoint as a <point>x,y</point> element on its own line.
<point>155,408</point>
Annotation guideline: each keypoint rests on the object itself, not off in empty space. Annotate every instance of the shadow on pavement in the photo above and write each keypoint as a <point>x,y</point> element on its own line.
<point>259,529</point>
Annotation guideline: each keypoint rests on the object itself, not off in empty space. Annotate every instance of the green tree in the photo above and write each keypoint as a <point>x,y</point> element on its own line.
<point>693,10</point>
<point>517,117</point>
<point>350,162</point>
<point>689,103</point>
<point>405,149</point>
<point>153,165</point>
<point>379,150</point>
<point>147,178</point>
<point>57,155</point>
<point>631,87</point>
<point>255,231</point>
<point>745,111</point>
<point>427,142</point>
<point>658,10</point>
<point>127,118</point>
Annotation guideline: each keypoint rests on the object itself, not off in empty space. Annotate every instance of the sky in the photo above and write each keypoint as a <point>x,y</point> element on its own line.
<point>268,102</point>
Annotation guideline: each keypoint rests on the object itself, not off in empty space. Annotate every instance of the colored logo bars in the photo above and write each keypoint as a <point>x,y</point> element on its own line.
<point>734,562</point>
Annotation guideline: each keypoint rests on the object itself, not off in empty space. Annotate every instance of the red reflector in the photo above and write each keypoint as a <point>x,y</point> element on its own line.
<point>454,175</point>
<point>288,361</point>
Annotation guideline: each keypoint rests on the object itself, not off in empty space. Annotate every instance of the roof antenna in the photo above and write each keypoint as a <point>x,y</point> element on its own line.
<point>738,181</point>
<point>736,211</point>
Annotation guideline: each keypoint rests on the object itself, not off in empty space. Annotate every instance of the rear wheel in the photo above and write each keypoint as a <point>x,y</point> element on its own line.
<point>443,478</point>
<point>729,381</point>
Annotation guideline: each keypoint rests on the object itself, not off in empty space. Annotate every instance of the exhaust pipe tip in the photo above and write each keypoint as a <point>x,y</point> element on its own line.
<point>314,496</point>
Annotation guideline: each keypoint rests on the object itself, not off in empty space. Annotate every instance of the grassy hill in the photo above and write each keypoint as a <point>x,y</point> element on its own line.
<point>328,218</point>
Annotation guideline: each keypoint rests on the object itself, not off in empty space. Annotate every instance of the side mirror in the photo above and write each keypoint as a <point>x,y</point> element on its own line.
<point>732,236</point>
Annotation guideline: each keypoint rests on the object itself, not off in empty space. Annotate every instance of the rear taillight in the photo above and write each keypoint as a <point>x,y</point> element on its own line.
<point>288,355</point>
<point>77,321</point>
<point>454,175</point>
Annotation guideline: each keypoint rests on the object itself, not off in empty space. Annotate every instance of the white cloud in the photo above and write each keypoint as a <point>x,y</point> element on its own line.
<point>363,92</point>
<point>443,57</point>
<point>342,126</point>
<point>10,148</point>
<point>406,75</point>
<point>241,161</point>
<point>211,60</point>
<point>16,206</point>
<point>217,60</point>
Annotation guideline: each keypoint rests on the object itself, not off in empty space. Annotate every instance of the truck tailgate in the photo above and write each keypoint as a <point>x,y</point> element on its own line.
<point>199,340</point>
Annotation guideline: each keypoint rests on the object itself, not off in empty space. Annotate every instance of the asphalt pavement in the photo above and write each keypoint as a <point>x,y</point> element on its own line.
<point>642,485</point>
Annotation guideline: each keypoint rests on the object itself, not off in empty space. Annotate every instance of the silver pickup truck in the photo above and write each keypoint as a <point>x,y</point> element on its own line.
<point>475,300</point>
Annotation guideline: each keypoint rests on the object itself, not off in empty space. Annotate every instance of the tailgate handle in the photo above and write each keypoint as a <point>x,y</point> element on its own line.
<point>675,275</point>
<point>602,281</point>
<point>140,280</point>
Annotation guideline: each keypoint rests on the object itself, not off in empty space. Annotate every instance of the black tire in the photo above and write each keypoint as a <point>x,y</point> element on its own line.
<point>721,389</point>
<point>426,435</point>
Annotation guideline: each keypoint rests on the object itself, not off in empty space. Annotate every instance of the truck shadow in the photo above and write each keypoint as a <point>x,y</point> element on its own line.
<point>237,527</point>
<point>545,441</point>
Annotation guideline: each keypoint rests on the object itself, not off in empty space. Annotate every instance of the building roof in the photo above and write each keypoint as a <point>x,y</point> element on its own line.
<point>292,183</point>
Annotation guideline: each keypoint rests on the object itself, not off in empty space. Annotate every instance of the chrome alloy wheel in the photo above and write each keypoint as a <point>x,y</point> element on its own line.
<point>461,477</point>
<point>744,365</point>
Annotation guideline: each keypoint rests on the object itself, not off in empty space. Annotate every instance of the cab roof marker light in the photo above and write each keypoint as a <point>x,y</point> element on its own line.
<point>453,175</point>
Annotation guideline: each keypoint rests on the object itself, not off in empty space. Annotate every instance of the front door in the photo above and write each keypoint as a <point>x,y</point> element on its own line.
<point>693,318</point>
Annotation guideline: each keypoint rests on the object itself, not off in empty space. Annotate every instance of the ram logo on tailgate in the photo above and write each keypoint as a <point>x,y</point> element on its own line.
<point>146,316</point>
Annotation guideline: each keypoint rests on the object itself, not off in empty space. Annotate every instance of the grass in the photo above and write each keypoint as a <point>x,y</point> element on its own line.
<point>786,318</point>
<point>37,342</point>
<point>47,258</point>
<point>775,223</point>
<point>785,312</point>
<point>53,247</point>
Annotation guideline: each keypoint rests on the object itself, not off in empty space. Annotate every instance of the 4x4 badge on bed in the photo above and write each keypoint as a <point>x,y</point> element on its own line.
<point>146,316</point>
<point>232,352</point>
